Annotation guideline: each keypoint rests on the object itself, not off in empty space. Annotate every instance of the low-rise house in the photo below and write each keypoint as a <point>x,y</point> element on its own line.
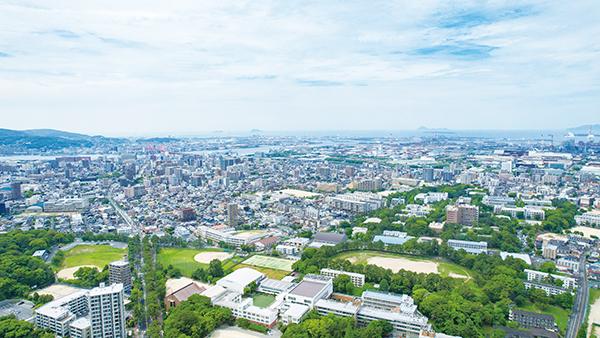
<point>182,294</point>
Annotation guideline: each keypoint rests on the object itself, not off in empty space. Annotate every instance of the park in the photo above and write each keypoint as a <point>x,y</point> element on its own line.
<point>97,256</point>
<point>189,260</point>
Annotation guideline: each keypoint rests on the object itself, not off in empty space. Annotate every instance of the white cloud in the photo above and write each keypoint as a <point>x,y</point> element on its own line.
<point>297,65</point>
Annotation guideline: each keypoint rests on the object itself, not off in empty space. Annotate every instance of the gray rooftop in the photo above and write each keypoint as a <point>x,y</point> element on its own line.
<point>308,288</point>
<point>329,237</point>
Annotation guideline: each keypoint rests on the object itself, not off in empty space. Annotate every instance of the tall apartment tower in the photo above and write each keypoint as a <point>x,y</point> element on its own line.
<point>232,214</point>
<point>119,272</point>
<point>462,214</point>
<point>107,311</point>
<point>16,193</point>
<point>95,313</point>
<point>452,214</point>
<point>428,174</point>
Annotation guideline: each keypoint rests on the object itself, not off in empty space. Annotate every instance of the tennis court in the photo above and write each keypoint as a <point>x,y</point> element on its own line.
<point>270,262</point>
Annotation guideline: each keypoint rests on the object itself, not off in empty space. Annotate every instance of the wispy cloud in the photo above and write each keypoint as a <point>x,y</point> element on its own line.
<point>422,57</point>
<point>469,18</point>
<point>61,33</point>
<point>460,50</point>
<point>319,83</point>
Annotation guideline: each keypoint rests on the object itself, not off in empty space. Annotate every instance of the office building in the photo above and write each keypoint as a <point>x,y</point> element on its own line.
<point>358,202</point>
<point>239,279</point>
<point>498,200</point>
<point>274,286</point>
<point>539,276</point>
<point>428,174</point>
<point>294,314</point>
<point>358,279</point>
<point>469,246</point>
<point>135,191</point>
<point>310,290</point>
<point>228,235</point>
<point>66,205</point>
<point>589,218</point>
<point>462,214</point>
<point>568,263</point>
<point>15,191</point>
<point>398,310</point>
<point>232,215</point>
<point>327,239</point>
<point>431,197</point>
<point>368,185</point>
<point>119,272</point>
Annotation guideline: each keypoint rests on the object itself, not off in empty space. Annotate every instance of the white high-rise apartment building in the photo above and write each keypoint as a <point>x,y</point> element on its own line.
<point>96,313</point>
<point>107,312</point>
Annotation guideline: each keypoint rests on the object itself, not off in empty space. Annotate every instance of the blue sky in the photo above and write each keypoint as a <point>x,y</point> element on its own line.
<point>143,67</point>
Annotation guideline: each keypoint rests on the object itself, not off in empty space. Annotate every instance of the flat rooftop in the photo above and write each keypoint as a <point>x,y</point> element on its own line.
<point>308,288</point>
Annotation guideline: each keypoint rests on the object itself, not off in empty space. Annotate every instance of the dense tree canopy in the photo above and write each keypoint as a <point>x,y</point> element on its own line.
<point>19,271</point>
<point>195,317</point>
<point>331,326</point>
<point>10,327</point>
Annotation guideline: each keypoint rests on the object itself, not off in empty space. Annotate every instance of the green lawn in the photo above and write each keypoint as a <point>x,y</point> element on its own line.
<point>263,300</point>
<point>99,255</point>
<point>594,295</point>
<point>561,316</point>
<point>183,259</point>
<point>444,268</point>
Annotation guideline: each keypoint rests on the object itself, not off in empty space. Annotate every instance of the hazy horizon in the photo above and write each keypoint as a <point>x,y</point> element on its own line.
<point>497,133</point>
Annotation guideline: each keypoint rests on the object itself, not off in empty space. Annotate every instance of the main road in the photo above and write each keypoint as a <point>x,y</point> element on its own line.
<point>139,268</point>
<point>580,303</point>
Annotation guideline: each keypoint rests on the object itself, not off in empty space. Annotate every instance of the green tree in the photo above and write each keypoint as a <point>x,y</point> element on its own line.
<point>215,268</point>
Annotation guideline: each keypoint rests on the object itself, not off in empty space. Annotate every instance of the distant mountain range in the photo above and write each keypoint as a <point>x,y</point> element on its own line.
<point>49,139</point>
<point>586,128</point>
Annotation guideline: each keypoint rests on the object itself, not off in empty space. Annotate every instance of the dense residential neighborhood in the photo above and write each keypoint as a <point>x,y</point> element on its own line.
<point>276,234</point>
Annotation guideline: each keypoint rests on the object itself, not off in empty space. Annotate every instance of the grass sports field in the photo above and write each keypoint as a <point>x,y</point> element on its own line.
<point>270,262</point>
<point>98,255</point>
<point>396,262</point>
<point>183,259</point>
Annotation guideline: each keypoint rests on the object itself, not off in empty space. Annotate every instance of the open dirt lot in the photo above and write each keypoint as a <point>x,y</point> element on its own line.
<point>233,331</point>
<point>207,256</point>
<point>587,231</point>
<point>68,272</point>
<point>398,263</point>
<point>58,290</point>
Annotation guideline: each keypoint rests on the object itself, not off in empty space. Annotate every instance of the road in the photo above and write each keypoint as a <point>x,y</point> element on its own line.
<point>580,303</point>
<point>138,229</point>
